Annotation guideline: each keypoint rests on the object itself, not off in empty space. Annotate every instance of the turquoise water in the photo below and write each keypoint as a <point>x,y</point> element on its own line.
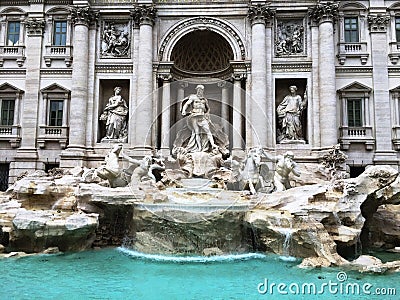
<point>123,274</point>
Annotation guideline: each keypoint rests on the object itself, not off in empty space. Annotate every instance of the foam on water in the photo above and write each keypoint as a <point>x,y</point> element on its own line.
<point>191,259</point>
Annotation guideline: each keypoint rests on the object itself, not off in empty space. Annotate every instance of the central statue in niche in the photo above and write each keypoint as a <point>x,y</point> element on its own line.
<point>200,146</point>
<point>198,121</point>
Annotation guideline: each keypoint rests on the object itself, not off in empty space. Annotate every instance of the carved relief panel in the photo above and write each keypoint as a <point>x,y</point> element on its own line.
<point>115,39</point>
<point>289,37</point>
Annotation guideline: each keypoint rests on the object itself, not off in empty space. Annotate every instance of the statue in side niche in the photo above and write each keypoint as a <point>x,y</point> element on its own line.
<point>289,113</point>
<point>115,114</point>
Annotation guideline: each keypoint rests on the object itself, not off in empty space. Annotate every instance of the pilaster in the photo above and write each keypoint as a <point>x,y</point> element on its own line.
<point>384,153</point>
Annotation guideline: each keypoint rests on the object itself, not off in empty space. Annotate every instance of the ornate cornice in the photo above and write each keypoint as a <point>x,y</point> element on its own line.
<point>113,68</point>
<point>260,14</point>
<point>295,67</point>
<point>144,14</point>
<point>378,23</point>
<point>35,26</point>
<point>83,15</point>
<point>324,12</point>
<point>353,70</point>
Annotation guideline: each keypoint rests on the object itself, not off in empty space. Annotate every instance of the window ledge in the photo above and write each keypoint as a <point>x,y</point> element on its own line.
<point>11,133</point>
<point>394,54</point>
<point>53,134</point>
<point>353,50</point>
<point>349,135</point>
<point>16,53</point>
<point>58,53</point>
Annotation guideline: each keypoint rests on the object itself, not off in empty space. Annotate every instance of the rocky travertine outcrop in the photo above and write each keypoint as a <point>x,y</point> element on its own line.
<point>323,223</point>
<point>34,231</point>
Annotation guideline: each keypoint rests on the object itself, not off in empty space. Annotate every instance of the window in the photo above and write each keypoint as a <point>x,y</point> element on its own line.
<point>60,33</point>
<point>13,31</point>
<point>7,112</point>
<point>351,30</point>
<point>354,112</point>
<point>398,29</point>
<point>56,112</point>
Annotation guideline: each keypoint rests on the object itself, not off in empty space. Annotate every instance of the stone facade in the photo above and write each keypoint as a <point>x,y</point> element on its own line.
<point>60,61</point>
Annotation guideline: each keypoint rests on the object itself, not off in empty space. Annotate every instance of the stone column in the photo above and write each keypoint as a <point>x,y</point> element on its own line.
<point>224,105</point>
<point>144,107</point>
<point>259,15</point>
<point>237,112</point>
<point>313,106</point>
<point>133,97</point>
<point>325,14</point>
<point>165,112</point>
<point>26,157</point>
<point>82,17</point>
<point>378,27</point>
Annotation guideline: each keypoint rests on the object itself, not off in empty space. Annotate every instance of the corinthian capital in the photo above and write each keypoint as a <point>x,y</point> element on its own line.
<point>34,26</point>
<point>260,13</point>
<point>378,23</point>
<point>144,14</point>
<point>324,12</point>
<point>83,15</point>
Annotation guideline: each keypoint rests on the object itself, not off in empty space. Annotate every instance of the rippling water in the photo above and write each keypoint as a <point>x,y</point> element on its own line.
<point>124,274</point>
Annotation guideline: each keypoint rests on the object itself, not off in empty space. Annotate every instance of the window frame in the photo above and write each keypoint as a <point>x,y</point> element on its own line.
<point>348,32</point>
<point>16,32</point>
<point>353,111</point>
<point>397,28</point>
<point>57,118</point>
<point>10,116</point>
<point>62,34</point>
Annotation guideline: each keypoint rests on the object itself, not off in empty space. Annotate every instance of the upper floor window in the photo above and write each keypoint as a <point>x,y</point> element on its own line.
<point>7,111</point>
<point>351,32</point>
<point>56,112</point>
<point>60,33</point>
<point>354,112</point>
<point>13,31</point>
<point>397,24</point>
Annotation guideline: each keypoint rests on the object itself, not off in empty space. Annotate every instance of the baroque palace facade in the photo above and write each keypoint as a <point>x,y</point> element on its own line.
<point>77,76</point>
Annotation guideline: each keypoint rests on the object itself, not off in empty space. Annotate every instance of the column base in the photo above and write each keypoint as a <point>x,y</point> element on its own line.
<point>165,151</point>
<point>72,158</point>
<point>386,158</point>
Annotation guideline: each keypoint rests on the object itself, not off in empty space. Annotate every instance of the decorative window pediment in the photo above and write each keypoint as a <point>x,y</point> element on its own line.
<point>8,88</point>
<point>55,88</point>
<point>10,98</point>
<point>355,87</point>
<point>54,115</point>
<point>355,116</point>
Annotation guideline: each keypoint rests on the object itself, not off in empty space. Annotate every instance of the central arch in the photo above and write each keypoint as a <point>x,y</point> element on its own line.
<point>221,27</point>
<point>202,53</point>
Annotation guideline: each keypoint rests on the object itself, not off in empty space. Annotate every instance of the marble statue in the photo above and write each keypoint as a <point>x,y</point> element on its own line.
<point>111,170</point>
<point>115,42</point>
<point>143,169</point>
<point>285,165</point>
<point>201,146</point>
<point>114,115</point>
<point>289,113</point>
<point>198,121</point>
<point>253,171</point>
